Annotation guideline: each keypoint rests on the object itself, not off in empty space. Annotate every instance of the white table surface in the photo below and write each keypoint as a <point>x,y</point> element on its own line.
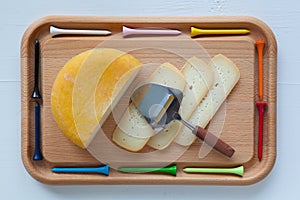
<point>282,16</point>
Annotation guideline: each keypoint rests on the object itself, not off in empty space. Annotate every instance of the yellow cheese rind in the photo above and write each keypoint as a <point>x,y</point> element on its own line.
<point>227,75</point>
<point>61,97</point>
<point>77,86</point>
<point>199,77</point>
<point>133,131</point>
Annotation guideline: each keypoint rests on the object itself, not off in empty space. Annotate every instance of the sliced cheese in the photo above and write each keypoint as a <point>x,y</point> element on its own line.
<point>133,131</point>
<point>78,90</point>
<point>226,76</point>
<point>199,77</point>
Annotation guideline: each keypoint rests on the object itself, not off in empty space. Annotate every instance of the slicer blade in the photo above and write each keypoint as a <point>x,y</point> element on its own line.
<point>156,103</point>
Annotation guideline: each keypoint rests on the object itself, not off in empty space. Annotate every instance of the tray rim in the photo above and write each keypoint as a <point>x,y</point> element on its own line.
<point>268,162</point>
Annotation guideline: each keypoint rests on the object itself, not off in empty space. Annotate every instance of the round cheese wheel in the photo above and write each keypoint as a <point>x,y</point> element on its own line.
<point>94,76</point>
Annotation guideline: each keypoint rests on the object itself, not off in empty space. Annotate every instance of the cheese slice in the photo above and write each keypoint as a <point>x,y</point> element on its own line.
<point>133,131</point>
<point>199,77</point>
<point>226,76</point>
<point>81,94</point>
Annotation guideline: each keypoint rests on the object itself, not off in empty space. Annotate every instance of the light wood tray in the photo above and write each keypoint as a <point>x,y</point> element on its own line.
<point>240,127</point>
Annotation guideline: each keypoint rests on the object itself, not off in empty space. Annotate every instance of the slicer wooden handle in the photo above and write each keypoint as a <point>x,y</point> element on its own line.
<point>214,141</point>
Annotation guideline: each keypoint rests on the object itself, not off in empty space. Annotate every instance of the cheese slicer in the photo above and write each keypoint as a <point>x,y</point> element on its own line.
<point>159,105</point>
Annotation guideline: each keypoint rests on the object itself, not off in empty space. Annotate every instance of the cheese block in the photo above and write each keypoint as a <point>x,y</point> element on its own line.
<point>82,92</point>
<point>133,131</point>
<point>226,76</point>
<point>199,77</point>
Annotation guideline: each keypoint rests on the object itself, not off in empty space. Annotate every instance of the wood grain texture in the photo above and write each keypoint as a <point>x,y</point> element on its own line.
<point>241,113</point>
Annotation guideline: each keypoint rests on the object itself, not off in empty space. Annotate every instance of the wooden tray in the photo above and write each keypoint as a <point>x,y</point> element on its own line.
<point>240,127</point>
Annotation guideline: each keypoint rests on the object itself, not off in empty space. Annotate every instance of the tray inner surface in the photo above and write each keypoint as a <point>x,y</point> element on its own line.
<point>239,120</point>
